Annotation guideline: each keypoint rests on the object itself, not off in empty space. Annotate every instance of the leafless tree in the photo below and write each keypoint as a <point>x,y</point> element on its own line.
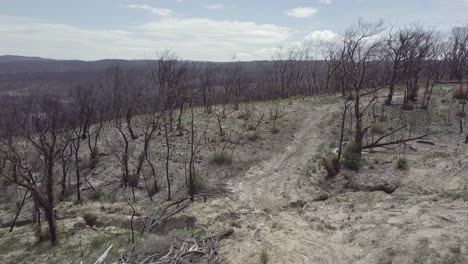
<point>207,79</point>
<point>458,53</point>
<point>169,78</point>
<point>32,157</point>
<point>82,111</point>
<point>359,65</point>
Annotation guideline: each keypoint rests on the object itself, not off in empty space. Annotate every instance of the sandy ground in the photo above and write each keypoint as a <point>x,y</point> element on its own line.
<point>273,209</point>
<point>285,210</point>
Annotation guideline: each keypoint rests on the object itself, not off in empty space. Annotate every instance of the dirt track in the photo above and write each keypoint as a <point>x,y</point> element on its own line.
<point>274,212</point>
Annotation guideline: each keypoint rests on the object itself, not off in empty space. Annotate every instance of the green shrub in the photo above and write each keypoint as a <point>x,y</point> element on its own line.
<point>264,257</point>
<point>153,188</point>
<point>221,157</point>
<point>251,127</point>
<point>351,160</point>
<point>93,158</point>
<point>275,129</point>
<point>244,115</point>
<point>95,195</point>
<point>252,136</point>
<point>402,164</point>
<point>198,181</point>
<point>236,224</point>
<point>408,106</point>
<point>332,165</point>
<point>376,128</point>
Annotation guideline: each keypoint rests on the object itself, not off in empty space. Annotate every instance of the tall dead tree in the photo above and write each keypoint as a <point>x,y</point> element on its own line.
<point>458,53</point>
<point>207,78</point>
<point>169,76</point>
<point>33,153</point>
<point>82,110</point>
<point>359,65</point>
<point>396,47</point>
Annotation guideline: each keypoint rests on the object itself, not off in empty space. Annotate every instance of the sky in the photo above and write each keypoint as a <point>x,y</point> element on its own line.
<point>207,30</point>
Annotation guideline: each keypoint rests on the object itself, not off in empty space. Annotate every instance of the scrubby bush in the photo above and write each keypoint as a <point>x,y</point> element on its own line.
<point>264,257</point>
<point>245,115</point>
<point>402,164</point>
<point>252,135</point>
<point>90,219</point>
<point>332,165</point>
<point>93,158</point>
<point>96,194</point>
<point>198,181</point>
<point>376,128</point>
<point>221,157</point>
<point>351,160</point>
<point>153,188</point>
<point>275,129</point>
<point>408,106</point>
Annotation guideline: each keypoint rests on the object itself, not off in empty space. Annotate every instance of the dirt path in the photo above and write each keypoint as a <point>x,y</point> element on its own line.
<point>277,182</point>
<point>268,191</point>
<point>273,212</point>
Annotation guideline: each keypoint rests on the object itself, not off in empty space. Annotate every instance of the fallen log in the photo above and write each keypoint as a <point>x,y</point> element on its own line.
<point>427,142</point>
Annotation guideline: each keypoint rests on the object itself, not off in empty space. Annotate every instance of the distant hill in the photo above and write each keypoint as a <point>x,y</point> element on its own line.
<point>15,58</point>
<point>10,64</point>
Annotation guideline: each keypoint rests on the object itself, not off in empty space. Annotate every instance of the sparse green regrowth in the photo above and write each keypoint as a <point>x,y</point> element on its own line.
<point>96,194</point>
<point>236,223</point>
<point>311,168</point>
<point>264,257</point>
<point>221,157</point>
<point>326,226</point>
<point>407,106</point>
<point>245,115</point>
<point>195,233</point>
<point>275,226</point>
<point>332,165</point>
<point>93,158</point>
<point>275,129</point>
<point>402,164</point>
<point>250,127</point>
<point>377,128</point>
<point>198,181</point>
<point>455,195</point>
<point>251,135</point>
<point>9,244</point>
<point>153,188</point>
<point>351,160</point>
<point>251,227</point>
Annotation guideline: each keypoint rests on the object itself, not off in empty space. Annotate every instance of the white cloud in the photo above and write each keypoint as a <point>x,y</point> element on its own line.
<point>194,39</point>
<point>214,6</point>
<point>302,12</point>
<point>326,2</point>
<point>321,36</point>
<point>162,12</point>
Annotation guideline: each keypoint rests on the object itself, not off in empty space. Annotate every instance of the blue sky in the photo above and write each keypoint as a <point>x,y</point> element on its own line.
<point>213,30</point>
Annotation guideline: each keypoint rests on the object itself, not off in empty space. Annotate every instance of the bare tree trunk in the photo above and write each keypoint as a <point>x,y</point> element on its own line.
<point>19,211</point>
<point>168,155</point>
<point>77,171</point>
<point>128,118</point>
<point>343,120</point>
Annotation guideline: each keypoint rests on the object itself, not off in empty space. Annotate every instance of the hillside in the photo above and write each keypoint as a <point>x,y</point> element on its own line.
<point>274,196</point>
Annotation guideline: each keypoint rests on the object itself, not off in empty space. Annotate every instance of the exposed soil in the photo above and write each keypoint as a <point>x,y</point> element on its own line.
<point>284,208</point>
<point>379,215</point>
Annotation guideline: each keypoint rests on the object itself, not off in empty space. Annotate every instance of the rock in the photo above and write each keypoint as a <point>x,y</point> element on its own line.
<point>90,219</point>
<point>320,196</point>
<point>298,204</point>
<point>372,183</point>
<point>79,225</point>
<point>259,235</point>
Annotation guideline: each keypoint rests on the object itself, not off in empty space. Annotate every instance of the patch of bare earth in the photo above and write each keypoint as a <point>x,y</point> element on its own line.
<point>282,215</point>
